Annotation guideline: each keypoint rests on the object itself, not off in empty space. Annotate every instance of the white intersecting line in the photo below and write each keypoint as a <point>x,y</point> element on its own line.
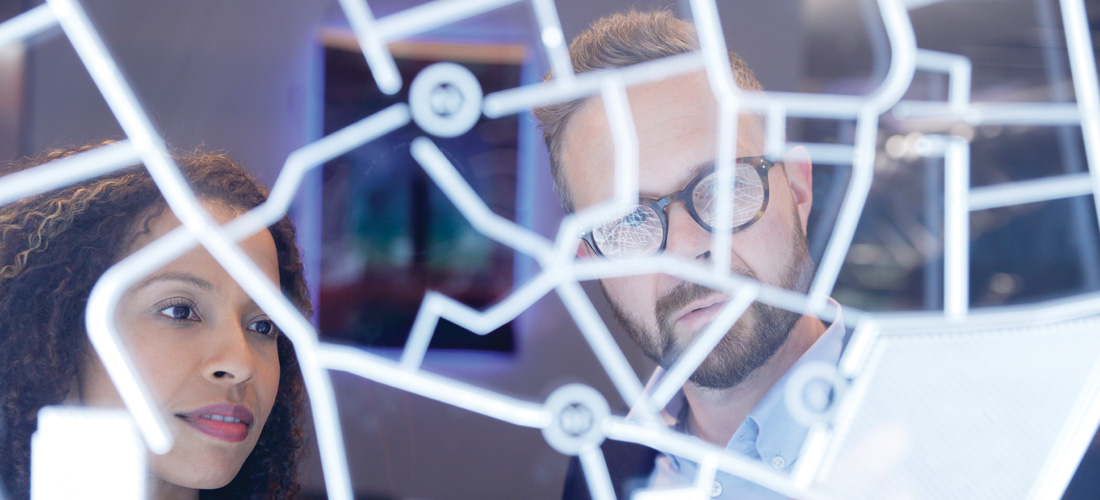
<point>145,144</point>
<point>559,270</point>
<point>961,199</point>
<point>596,473</point>
<point>693,449</point>
<point>680,371</point>
<point>554,274</point>
<point>68,170</point>
<point>956,229</point>
<point>373,33</point>
<point>27,24</point>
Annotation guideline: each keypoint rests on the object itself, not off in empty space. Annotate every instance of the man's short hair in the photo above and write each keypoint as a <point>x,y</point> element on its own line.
<point>617,41</point>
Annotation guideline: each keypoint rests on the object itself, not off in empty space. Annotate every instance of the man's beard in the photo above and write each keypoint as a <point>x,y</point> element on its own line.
<point>748,344</point>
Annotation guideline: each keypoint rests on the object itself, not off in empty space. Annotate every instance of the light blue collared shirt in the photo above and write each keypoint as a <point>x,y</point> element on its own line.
<point>769,434</point>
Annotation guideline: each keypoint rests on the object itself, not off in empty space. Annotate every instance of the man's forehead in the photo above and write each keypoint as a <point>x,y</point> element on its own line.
<point>675,121</point>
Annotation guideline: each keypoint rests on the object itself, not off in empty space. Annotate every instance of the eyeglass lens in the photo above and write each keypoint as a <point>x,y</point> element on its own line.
<point>641,230</point>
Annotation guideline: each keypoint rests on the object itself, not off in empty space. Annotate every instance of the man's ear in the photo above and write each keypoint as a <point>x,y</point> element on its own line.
<point>799,170</point>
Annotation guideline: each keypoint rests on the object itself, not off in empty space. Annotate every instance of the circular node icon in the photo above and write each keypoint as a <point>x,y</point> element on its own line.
<point>445,99</point>
<point>812,392</point>
<point>578,411</point>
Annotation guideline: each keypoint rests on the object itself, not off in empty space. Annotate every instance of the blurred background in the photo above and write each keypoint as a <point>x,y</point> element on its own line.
<point>260,79</point>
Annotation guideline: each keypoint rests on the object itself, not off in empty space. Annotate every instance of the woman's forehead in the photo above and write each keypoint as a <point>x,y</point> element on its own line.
<point>259,247</point>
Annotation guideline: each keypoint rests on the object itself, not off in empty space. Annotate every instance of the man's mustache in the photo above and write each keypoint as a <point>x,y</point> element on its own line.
<point>678,298</point>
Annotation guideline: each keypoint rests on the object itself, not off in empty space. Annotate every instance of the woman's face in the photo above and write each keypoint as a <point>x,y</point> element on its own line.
<point>206,352</point>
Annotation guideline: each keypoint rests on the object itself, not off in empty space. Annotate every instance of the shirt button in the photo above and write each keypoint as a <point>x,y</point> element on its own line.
<point>778,462</point>
<point>715,489</point>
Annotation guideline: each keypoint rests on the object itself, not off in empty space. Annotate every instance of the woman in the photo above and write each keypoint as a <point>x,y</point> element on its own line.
<point>225,380</point>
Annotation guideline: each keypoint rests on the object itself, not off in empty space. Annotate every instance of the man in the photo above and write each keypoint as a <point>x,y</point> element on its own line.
<point>735,399</point>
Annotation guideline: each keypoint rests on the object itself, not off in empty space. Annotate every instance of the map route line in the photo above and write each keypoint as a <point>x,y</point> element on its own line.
<point>68,170</point>
<point>623,429</point>
<point>445,390</point>
<point>137,127</point>
<point>27,24</point>
<point>561,271</point>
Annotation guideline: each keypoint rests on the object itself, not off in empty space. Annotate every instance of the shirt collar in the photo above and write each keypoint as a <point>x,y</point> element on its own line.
<point>778,433</point>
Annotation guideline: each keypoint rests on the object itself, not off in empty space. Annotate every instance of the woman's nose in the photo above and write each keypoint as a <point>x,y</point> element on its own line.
<point>230,359</point>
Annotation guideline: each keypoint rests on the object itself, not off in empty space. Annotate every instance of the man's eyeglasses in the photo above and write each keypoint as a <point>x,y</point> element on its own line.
<point>643,230</point>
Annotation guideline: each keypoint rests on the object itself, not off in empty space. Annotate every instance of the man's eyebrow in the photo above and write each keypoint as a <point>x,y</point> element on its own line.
<point>694,171</point>
<point>698,169</point>
<point>182,277</point>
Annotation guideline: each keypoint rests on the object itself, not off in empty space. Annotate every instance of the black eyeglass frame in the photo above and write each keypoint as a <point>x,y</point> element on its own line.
<point>761,164</point>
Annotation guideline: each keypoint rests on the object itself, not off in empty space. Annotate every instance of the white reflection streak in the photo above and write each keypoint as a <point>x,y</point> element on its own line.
<point>381,62</point>
<point>595,473</point>
<point>103,333</point>
<point>704,275</point>
<point>811,455</point>
<point>122,102</point>
<point>863,165</point>
<point>1085,85</point>
<point>834,154</point>
<point>511,101</point>
<point>625,141</point>
<point>603,345</point>
<point>956,234</point>
<point>335,144</point>
<point>437,305</point>
<point>553,39</point>
<point>65,171</point>
<point>27,24</point>
<point>679,373</point>
<point>957,68</point>
<point>104,337</point>
<point>1030,191</point>
<point>720,76</point>
<point>704,477</point>
<point>902,66</point>
<point>1027,113</point>
<point>777,131</point>
<point>439,168</point>
<point>311,156</point>
<point>698,451</point>
<point>432,15</point>
<point>436,387</point>
<point>559,271</point>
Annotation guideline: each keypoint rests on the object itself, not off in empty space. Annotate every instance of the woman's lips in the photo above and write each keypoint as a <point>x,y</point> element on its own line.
<point>222,421</point>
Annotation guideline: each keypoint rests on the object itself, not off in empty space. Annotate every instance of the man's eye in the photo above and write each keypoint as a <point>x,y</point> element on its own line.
<point>180,312</point>
<point>264,327</point>
<point>634,219</point>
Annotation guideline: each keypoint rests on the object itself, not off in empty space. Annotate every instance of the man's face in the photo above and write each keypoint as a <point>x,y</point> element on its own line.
<point>676,124</point>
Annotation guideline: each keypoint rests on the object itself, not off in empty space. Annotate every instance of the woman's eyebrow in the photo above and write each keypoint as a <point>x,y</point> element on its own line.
<point>181,277</point>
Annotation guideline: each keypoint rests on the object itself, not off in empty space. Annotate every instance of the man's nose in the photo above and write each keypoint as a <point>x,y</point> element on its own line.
<point>686,238</point>
<point>230,358</point>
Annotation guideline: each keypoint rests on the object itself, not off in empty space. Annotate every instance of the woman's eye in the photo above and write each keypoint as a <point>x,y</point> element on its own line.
<point>265,327</point>
<point>181,312</point>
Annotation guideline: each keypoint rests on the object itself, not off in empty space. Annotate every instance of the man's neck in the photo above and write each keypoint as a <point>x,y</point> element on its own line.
<point>715,414</point>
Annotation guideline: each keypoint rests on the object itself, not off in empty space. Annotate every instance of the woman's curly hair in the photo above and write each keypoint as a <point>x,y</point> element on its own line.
<point>53,248</point>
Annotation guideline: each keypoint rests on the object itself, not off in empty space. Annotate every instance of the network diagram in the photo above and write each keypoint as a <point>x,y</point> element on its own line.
<point>875,393</point>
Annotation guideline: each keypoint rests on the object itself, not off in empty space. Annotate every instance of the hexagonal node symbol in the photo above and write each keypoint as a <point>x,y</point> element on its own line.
<point>445,99</point>
<point>578,412</point>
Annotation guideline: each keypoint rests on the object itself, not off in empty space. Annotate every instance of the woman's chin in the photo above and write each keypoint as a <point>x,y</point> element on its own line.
<point>196,475</point>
